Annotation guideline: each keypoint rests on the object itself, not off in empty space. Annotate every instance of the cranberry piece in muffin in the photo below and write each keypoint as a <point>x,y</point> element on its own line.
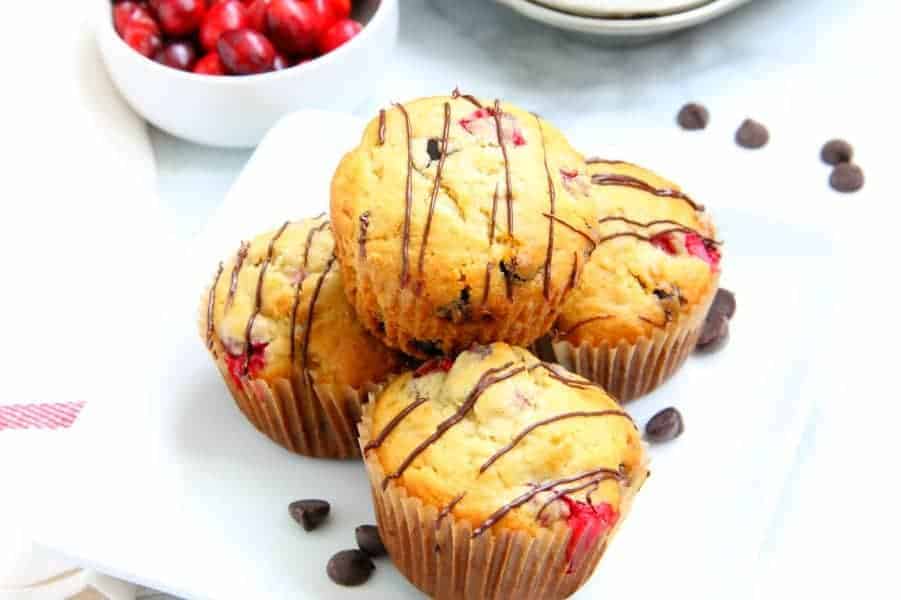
<point>459,464</point>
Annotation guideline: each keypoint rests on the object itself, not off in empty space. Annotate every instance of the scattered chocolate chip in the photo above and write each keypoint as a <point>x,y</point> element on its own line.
<point>662,294</point>
<point>666,425</point>
<point>723,303</point>
<point>752,134</point>
<point>714,334</point>
<point>433,148</point>
<point>846,177</point>
<point>309,513</point>
<point>369,540</point>
<point>350,567</point>
<point>693,116</point>
<point>836,151</point>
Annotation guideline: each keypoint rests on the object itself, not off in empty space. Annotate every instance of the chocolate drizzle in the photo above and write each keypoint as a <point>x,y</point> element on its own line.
<point>522,434</point>
<point>435,188</point>
<point>394,422</point>
<point>634,182</point>
<point>594,481</point>
<point>472,99</point>
<point>649,239</point>
<point>236,270</point>
<point>573,274</point>
<point>491,227</point>
<point>364,228</point>
<point>488,378</point>
<point>301,277</point>
<point>308,330</point>
<point>408,202</point>
<point>258,298</point>
<point>382,127</point>
<point>648,224</point>
<point>447,509</point>
<point>594,160</point>
<point>500,140</point>
<point>581,323</point>
<point>552,193</point>
<point>211,305</point>
<point>579,384</point>
<point>543,487</point>
<point>572,228</point>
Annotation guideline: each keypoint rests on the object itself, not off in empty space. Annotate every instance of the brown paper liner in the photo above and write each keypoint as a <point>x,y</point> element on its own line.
<point>444,561</point>
<point>409,319</point>
<point>630,370</point>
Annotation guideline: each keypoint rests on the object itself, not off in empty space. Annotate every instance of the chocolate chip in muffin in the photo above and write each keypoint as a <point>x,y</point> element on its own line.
<point>369,540</point>
<point>723,303</point>
<point>309,513</point>
<point>666,425</point>
<point>714,333</point>
<point>350,567</point>
<point>846,177</point>
<point>693,116</point>
<point>458,310</point>
<point>508,268</point>
<point>836,151</point>
<point>752,134</point>
<point>433,147</point>
<point>428,347</point>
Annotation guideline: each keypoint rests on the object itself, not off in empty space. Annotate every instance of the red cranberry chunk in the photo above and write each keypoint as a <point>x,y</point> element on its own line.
<point>587,523</point>
<point>245,52</point>
<point>481,123</point>
<point>255,364</point>
<point>436,364</point>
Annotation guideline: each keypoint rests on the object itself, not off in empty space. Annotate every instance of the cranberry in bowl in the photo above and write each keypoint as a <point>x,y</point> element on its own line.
<point>222,72</point>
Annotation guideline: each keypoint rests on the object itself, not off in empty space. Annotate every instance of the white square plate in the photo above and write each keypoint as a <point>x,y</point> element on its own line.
<point>172,489</point>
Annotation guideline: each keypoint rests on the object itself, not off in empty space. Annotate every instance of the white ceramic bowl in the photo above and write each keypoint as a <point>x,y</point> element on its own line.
<point>237,111</point>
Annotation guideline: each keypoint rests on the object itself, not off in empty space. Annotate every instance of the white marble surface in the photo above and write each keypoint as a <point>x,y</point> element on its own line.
<point>818,67</point>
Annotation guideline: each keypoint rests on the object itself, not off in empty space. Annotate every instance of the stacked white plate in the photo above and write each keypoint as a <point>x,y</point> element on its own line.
<point>623,20</point>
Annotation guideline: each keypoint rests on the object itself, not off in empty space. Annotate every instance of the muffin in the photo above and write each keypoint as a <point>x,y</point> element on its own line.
<point>297,362</point>
<point>454,224</point>
<point>498,475</point>
<point>638,309</point>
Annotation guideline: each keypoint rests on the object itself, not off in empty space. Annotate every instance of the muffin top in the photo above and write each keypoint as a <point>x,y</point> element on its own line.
<point>655,264</point>
<point>281,296</point>
<point>468,203</point>
<point>501,439</point>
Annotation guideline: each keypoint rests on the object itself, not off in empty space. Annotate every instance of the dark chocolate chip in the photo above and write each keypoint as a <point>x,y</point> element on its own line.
<point>846,177</point>
<point>693,116</point>
<point>662,294</point>
<point>752,134</point>
<point>509,271</point>
<point>350,567</point>
<point>714,333</point>
<point>836,151</point>
<point>369,540</point>
<point>433,148</point>
<point>666,425</point>
<point>309,513</point>
<point>723,303</point>
<point>428,347</point>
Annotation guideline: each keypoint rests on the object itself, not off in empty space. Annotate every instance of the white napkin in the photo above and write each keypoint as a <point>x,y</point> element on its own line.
<point>79,212</point>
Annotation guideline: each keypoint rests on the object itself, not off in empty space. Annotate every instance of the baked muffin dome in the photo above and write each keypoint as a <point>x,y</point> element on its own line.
<point>654,273</point>
<point>454,224</point>
<point>501,444</point>
<point>288,344</point>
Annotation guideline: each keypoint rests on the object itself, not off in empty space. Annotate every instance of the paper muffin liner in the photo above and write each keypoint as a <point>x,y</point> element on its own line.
<point>444,561</point>
<point>525,321</point>
<point>630,370</point>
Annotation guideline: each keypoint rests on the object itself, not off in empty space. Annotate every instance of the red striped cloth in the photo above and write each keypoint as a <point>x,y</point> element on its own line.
<point>39,416</point>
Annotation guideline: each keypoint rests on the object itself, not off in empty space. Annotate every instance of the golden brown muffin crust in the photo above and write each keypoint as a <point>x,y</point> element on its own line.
<point>283,292</point>
<point>434,203</point>
<point>506,423</point>
<point>631,287</point>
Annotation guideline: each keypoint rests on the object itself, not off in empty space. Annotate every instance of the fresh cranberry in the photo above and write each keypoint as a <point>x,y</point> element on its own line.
<point>256,14</point>
<point>124,12</point>
<point>280,62</point>
<point>143,38</point>
<point>587,523</point>
<point>436,364</point>
<point>178,55</point>
<point>256,363</point>
<point>221,17</point>
<point>328,12</point>
<point>245,52</point>
<point>292,26</point>
<point>338,34</point>
<point>210,65</point>
<point>179,17</point>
